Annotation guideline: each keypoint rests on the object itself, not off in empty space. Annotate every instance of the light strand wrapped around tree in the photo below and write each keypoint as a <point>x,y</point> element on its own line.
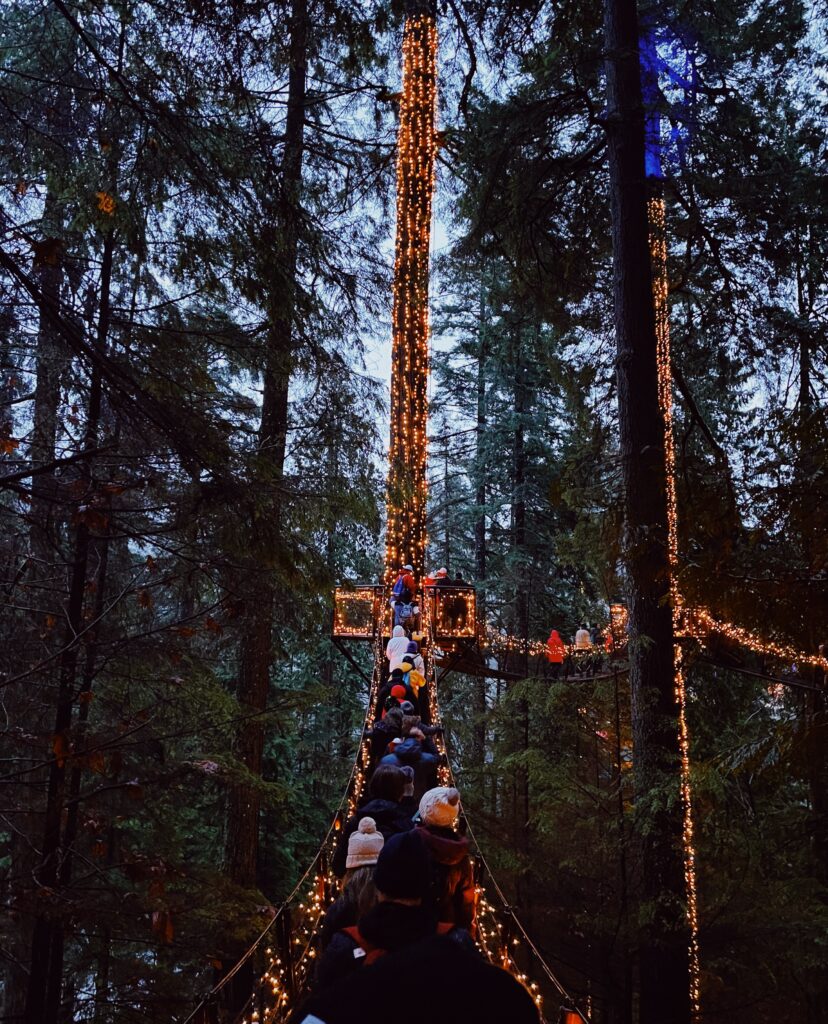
<point>406,494</point>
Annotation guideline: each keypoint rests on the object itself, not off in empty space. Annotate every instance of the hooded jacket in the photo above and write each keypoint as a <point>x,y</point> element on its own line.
<point>390,817</point>
<point>396,647</point>
<point>388,926</point>
<point>381,735</point>
<point>452,887</point>
<point>410,752</point>
<point>555,649</point>
<point>459,987</point>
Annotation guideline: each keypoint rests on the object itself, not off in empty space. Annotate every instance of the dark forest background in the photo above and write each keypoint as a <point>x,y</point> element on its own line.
<point>196,205</point>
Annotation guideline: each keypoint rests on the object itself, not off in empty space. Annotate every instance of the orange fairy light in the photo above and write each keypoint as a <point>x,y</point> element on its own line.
<point>405,538</point>
<point>658,255</point>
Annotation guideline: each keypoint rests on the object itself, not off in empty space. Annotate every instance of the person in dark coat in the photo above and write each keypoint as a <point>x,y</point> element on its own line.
<point>410,752</point>
<point>385,792</point>
<point>385,730</point>
<point>358,892</point>
<point>452,889</point>
<point>461,985</point>
<point>402,879</point>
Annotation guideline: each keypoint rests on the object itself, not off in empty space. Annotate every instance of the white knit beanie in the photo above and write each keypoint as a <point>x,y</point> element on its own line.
<point>440,806</point>
<point>364,845</point>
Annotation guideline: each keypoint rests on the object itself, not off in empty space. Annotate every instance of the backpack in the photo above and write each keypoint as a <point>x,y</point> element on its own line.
<point>404,611</point>
<point>401,591</point>
<point>367,953</point>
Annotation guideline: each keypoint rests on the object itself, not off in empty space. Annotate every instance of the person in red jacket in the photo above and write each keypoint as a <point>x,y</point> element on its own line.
<point>555,653</point>
<point>453,894</point>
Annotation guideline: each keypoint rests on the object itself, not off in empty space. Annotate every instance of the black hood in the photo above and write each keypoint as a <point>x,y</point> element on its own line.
<point>389,816</point>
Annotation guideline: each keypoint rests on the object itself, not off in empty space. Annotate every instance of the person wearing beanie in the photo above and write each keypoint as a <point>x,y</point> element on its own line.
<point>452,891</point>
<point>364,846</point>
<point>414,655</point>
<point>462,986</point>
<point>400,918</point>
<point>358,891</point>
<point>385,792</point>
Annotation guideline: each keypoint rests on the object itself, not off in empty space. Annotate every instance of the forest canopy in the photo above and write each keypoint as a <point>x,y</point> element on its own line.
<point>197,277</point>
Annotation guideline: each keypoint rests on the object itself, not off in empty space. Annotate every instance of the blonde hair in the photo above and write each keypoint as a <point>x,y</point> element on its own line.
<point>358,888</point>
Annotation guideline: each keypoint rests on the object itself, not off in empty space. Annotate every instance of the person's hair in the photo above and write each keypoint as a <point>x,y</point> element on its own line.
<point>395,717</point>
<point>410,722</point>
<point>387,783</point>
<point>358,889</point>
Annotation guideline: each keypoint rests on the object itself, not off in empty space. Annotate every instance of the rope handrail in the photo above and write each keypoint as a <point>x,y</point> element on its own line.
<point>568,1000</point>
<point>285,976</point>
<point>345,800</point>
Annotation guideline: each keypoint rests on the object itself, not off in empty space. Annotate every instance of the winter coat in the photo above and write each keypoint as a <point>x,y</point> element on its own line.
<point>452,886</point>
<point>388,926</point>
<point>415,681</point>
<point>380,736</point>
<point>390,819</point>
<point>342,913</point>
<point>583,641</point>
<point>453,983</point>
<point>410,752</point>
<point>555,649</point>
<point>397,646</point>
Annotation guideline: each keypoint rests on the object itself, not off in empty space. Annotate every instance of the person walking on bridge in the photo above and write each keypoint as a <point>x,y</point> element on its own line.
<point>386,791</point>
<point>555,653</point>
<point>452,890</point>
<point>396,648</point>
<point>401,917</point>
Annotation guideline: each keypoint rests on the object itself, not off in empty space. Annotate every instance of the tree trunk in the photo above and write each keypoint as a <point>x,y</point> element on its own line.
<point>244,800</point>
<point>53,872</point>
<point>479,735</point>
<point>519,569</point>
<point>663,934</point>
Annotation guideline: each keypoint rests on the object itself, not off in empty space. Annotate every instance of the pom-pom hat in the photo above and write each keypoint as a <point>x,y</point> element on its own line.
<point>365,845</point>
<point>440,806</point>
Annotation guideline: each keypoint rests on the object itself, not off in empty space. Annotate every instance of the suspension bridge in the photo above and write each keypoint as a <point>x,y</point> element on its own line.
<point>277,971</point>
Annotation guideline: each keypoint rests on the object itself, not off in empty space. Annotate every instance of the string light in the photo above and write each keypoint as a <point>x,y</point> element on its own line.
<point>698,622</point>
<point>658,255</point>
<point>449,620</point>
<point>356,611</point>
<point>405,537</point>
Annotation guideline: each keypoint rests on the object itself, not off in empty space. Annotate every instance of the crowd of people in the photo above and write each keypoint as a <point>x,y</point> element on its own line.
<point>405,595</point>
<point>407,910</point>
<point>407,915</point>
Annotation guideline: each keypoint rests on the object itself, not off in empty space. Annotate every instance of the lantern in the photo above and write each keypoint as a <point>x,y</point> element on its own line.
<point>453,611</point>
<point>356,611</point>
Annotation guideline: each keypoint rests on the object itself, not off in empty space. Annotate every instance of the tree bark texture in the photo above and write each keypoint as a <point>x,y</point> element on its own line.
<point>480,708</point>
<point>663,934</point>
<point>244,798</point>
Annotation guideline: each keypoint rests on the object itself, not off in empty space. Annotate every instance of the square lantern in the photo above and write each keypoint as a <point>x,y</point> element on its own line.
<point>453,611</point>
<point>356,611</point>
